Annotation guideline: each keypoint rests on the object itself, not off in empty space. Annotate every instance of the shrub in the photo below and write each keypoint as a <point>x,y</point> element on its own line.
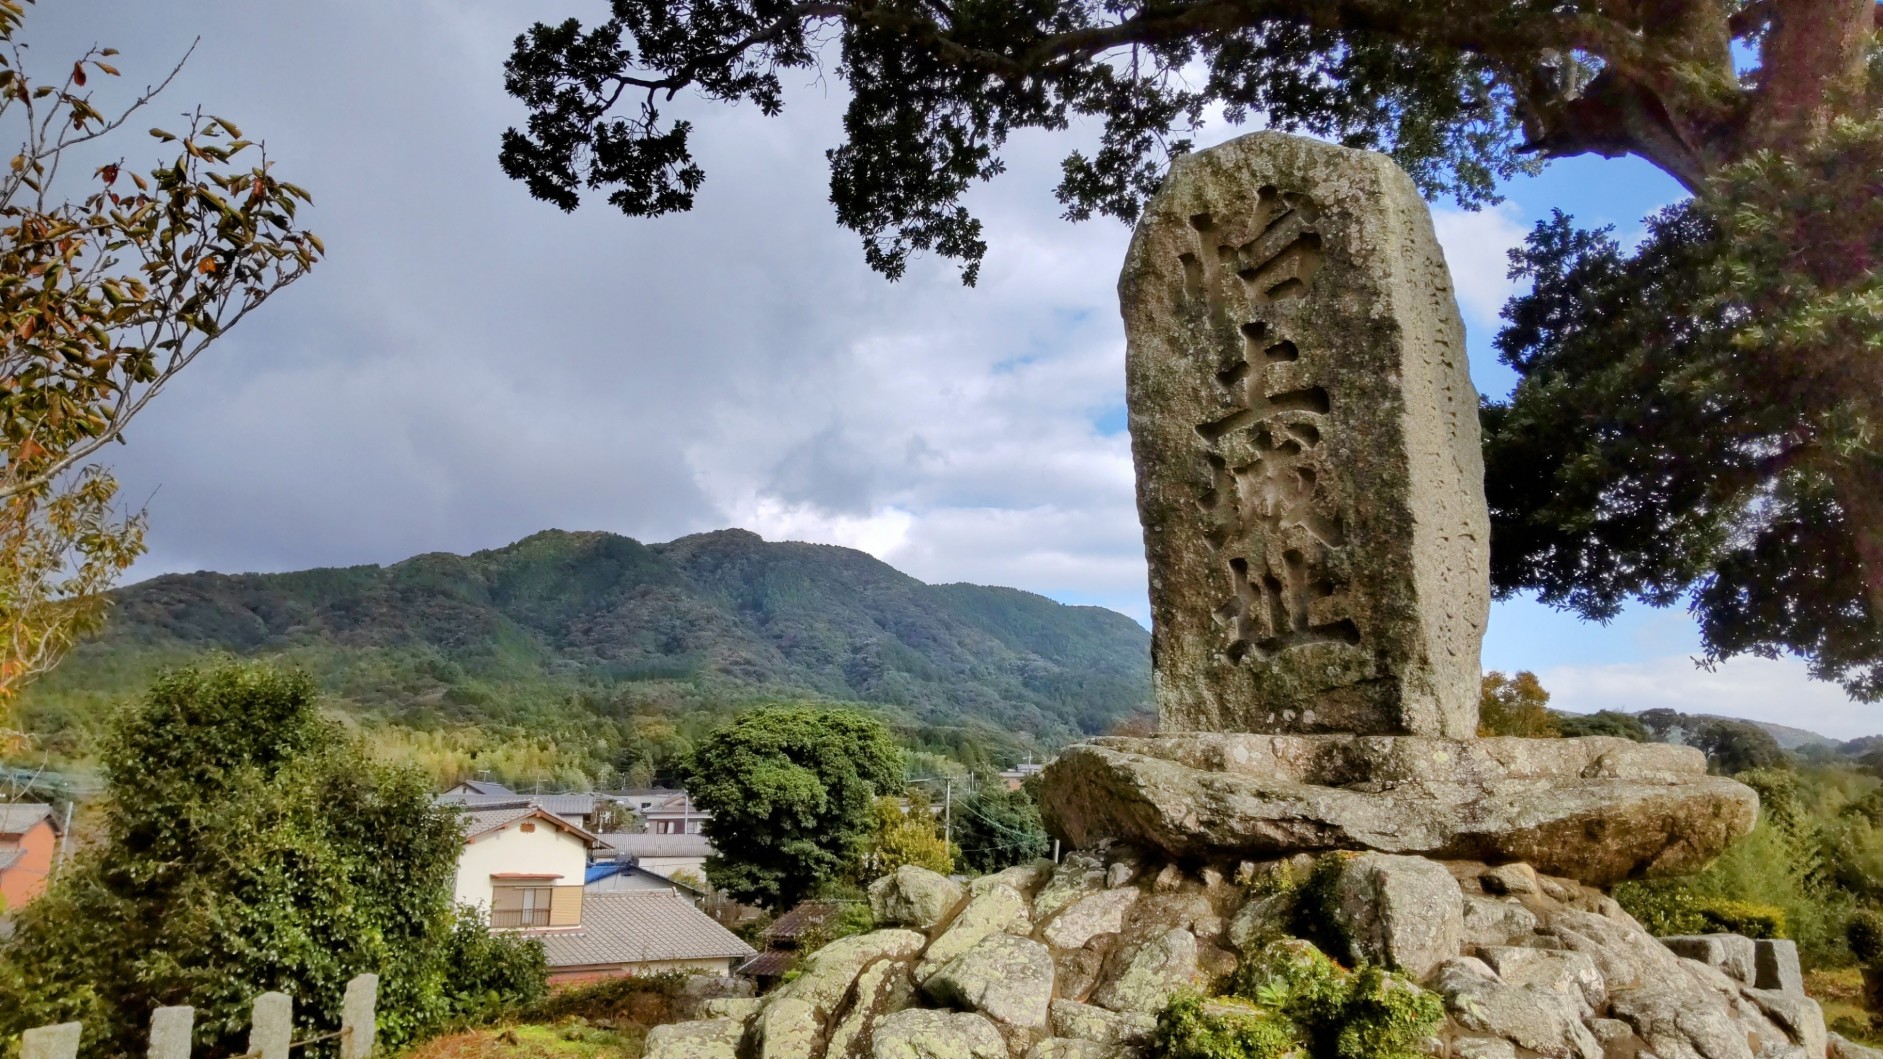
<point>1865,936</point>
<point>643,999</point>
<point>1292,999</point>
<point>1723,916</point>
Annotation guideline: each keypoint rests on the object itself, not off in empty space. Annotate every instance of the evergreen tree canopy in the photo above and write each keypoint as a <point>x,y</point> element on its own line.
<point>249,845</point>
<point>1697,419</point>
<point>790,790</point>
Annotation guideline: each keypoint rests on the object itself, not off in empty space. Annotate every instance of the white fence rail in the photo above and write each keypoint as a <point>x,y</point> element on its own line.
<point>270,1035</point>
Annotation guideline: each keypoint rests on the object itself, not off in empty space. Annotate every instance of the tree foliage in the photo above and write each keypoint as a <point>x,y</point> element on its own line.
<point>1514,705</point>
<point>905,835</point>
<point>111,282</point>
<point>1697,418</point>
<point>250,845</point>
<point>996,828</point>
<point>790,789</point>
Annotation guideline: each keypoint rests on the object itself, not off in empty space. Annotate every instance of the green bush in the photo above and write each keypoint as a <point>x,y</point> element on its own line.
<point>492,975</point>
<point>1290,998</point>
<point>1865,936</point>
<point>1747,918</point>
<point>1667,909</point>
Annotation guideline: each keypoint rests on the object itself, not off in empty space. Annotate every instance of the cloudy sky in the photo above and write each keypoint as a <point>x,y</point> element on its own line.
<point>470,366</point>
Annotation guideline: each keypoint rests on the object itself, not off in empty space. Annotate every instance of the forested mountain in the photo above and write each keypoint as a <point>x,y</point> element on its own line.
<point>563,629</point>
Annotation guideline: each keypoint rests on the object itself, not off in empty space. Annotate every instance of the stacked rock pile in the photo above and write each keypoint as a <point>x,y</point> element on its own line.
<point>1076,961</point>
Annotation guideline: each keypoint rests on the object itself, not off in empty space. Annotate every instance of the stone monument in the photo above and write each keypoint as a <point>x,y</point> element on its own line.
<point>1312,494</point>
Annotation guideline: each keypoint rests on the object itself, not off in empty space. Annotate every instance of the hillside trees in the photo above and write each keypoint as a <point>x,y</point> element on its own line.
<point>250,845</point>
<point>790,791</point>
<point>996,828</point>
<point>1514,705</point>
<point>111,282</point>
<point>1696,418</point>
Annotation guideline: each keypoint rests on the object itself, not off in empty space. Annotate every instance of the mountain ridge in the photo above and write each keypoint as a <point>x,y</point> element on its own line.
<point>535,634</point>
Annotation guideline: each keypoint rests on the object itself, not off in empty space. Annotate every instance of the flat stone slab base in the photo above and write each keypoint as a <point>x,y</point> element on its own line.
<point>1596,809</point>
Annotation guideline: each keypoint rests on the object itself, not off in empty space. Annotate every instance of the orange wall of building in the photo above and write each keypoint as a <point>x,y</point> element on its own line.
<point>27,877</point>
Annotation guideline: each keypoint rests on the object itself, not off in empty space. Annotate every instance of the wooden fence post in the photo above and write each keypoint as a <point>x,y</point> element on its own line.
<point>357,1017</point>
<point>170,1030</point>
<point>271,1027</point>
<point>51,1042</point>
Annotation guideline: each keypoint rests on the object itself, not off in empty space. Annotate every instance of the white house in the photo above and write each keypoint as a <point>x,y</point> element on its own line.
<point>523,865</point>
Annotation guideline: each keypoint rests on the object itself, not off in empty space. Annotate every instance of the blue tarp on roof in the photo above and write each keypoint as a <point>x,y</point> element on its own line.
<point>602,871</point>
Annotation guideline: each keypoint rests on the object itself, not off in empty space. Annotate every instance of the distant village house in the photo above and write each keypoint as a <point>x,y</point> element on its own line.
<point>29,846</point>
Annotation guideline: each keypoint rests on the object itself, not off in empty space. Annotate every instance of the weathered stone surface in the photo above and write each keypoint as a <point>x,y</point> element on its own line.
<point>1306,440</point>
<point>1259,921</point>
<point>914,897</point>
<point>1598,809</point>
<point>1627,956</point>
<point>828,972</point>
<point>1800,1017</point>
<point>996,910</point>
<point>919,1033</point>
<point>1513,879</point>
<point>1775,965</point>
<point>1089,916</point>
<point>739,1008</point>
<point>1572,974</point>
<point>1403,912</point>
<point>1490,921</point>
<point>1071,1048</point>
<point>1077,875</point>
<point>1483,1048</point>
<point>1729,954</point>
<point>1681,1024</point>
<point>707,1039</point>
<point>1026,878</point>
<point>787,1028</point>
<point>1152,974</point>
<point>1088,1022</point>
<point>1006,978</point>
<point>883,987</point>
<point>1546,1022</point>
<point>1840,1047</point>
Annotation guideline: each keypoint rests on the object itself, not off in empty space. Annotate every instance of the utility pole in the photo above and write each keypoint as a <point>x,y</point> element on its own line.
<point>948,820</point>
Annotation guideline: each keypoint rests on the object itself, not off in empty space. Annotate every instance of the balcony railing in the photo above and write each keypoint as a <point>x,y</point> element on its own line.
<point>520,917</point>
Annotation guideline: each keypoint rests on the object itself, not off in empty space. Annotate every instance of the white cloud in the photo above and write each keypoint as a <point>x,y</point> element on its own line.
<point>1760,689</point>
<point>1477,247</point>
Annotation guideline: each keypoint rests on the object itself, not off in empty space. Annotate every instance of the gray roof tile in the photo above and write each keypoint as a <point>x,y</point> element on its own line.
<point>640,926</point>
<point>17,817</point>
<point>659,845</point>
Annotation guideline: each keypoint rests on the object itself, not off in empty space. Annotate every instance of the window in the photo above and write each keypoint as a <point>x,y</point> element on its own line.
<point>521,906</point>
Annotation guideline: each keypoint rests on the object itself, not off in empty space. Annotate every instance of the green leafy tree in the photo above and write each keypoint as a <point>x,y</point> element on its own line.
<point>790,789</point>
<point>996,828</point>
<point>1733,747</point>
<point>1514,705</point>
<point>909,835</point>
<point>250,845</point>
<point>111,283</point>
<point>1696,418</point>
<point>1602,722</point>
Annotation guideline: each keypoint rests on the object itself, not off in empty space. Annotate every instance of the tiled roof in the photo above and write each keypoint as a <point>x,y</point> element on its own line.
<point>16,818</point>
<point>660,845</point>
<point>559,804</point>
<point>8,856</point>
<point>485,787</point>
<point>769,964</point>
<point>808,915</point>
<point>640,926</point>
<point>490,817</point>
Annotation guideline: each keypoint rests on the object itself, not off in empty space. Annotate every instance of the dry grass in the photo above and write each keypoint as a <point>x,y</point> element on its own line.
<point>1840,991</point>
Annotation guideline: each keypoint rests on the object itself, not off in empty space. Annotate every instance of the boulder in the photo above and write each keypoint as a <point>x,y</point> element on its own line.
<point>829,972</point>
<point>1511,879</point>
<point>1572,974</point>
<point>918,1033</point>
<point>740,1008</point>
<point>1483,1048</point>
<point>1152,974</point>
<point>1681,1024</point>
<point>914,897</point>
<point>1088,1022</point>
<point>1840,1047</point>
<point>1098,913</point>
<point>1404,912</point>
<point>1597,809</point>
<point>1260,921</point>
<point>787,1028</point>
<point>1729,954</point>
<point>1495,921</point>
<point>995,910</point>
<point>1026,878</point>
<point>883,987</point>
<point>1006,978</point>
<point>1627,956</point>
<point>1545,1022</point>
<point>706,1039</point>
<point>1775,965</point>
<point>1077,875</point>
<point>1069,1048</point>
<point>1799,1016</point>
